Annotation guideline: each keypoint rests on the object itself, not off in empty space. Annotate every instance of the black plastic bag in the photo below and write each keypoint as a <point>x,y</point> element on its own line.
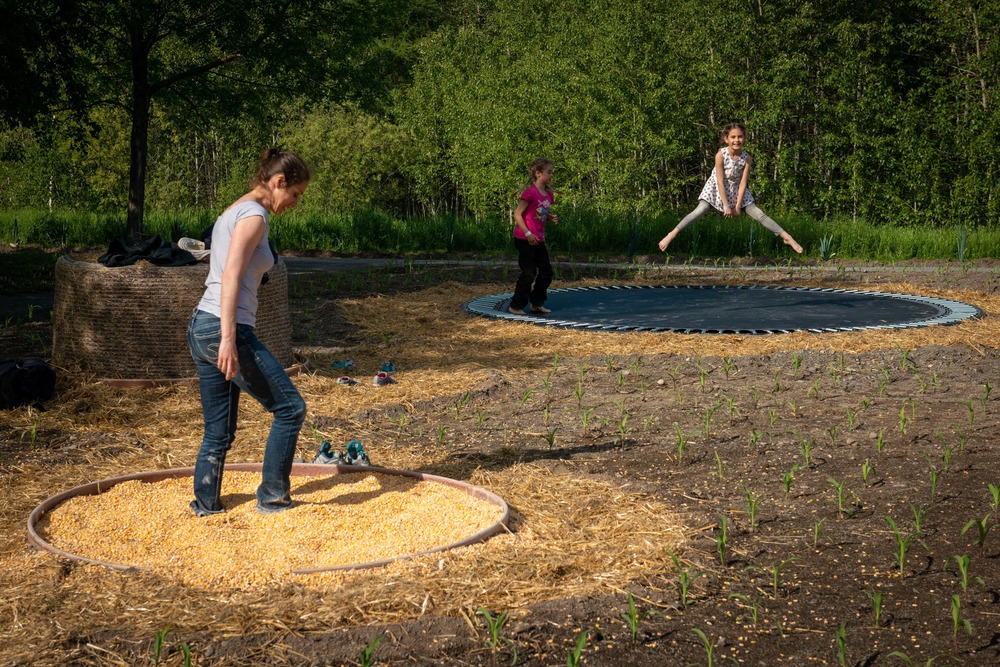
<point>25,382</point>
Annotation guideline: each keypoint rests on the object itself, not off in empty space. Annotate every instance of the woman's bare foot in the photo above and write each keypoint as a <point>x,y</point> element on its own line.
<point>514,311</point>
<point>789,241</point>
<point>542,310</point>
<point>667,240</point>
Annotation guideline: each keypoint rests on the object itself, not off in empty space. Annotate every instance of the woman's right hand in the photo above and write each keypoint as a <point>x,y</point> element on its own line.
<point>229,361</point>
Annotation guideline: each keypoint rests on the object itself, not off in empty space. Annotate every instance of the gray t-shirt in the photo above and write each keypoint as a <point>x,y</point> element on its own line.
<point>260,262</point>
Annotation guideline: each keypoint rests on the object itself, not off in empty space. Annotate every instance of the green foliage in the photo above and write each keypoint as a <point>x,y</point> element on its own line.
<point>858,117</point>
<point>722,539</point>
<point>494,626</point>
<point>372,230</point>
<point>686,577</point>
<point>903,545</point>
<point>632,617</point>
<point>574,655</point>
<point>367,656</point>
<point>842,644</point>
<point>27,270</point>
<point>356,159</point>
<point>877,598</point>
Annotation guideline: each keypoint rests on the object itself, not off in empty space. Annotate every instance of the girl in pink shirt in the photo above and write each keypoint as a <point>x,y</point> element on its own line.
<point>529,238</point>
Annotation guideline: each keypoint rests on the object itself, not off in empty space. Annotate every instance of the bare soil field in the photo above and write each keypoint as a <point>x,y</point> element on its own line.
<point>676,499</point>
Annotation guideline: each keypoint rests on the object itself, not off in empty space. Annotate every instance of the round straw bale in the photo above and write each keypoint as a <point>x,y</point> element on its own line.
<point>130,322</point>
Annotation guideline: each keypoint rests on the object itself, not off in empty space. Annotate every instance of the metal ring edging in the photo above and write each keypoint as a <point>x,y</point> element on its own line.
<point>298,469</point>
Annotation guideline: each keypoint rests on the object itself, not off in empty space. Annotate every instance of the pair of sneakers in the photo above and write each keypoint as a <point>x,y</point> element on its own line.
<point>382,378</point>
<point>379,380</point>
<point>354,455</point>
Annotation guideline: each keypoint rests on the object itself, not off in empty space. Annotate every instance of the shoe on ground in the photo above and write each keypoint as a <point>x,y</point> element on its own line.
<point>194,246</point>
<point>344,379</point>
<point>389,367</point>
<point>382,379</point>
<point>329,455</point>
<point>345,364</point>
<point>356,455</point>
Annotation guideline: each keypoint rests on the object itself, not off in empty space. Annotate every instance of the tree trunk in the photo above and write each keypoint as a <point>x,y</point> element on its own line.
<point>139,142</point>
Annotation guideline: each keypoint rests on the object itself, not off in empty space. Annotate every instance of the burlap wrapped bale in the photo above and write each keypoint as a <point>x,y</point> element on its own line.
<point>130,322</point>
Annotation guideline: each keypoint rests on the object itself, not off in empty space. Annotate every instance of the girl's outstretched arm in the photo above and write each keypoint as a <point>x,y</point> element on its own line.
<point>720,181</point>
<point>743,186</point>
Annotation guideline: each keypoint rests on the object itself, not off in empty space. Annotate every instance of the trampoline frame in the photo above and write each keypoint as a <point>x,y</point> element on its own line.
<point>494,306</point>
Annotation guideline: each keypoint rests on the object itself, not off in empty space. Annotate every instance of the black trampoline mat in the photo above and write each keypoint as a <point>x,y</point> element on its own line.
<point>730,309</point>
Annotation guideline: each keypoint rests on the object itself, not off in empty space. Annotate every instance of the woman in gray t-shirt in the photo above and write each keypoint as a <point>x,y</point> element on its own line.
<point>229,357</point>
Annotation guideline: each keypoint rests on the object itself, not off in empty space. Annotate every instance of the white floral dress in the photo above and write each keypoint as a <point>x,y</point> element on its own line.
<point>732,169</point>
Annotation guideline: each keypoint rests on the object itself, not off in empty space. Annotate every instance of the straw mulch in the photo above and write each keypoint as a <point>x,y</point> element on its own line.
<point>570,535</point>
<point>569,538</point>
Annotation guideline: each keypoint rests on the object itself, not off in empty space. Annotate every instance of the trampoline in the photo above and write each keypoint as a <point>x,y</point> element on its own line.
<point>730,309</point>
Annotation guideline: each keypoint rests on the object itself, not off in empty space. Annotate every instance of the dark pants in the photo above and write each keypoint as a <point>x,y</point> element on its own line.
<point>533,260</point>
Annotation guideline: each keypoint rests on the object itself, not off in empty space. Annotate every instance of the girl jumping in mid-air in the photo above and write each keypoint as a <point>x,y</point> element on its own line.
<point>726,189</point>
<point>529,238</point>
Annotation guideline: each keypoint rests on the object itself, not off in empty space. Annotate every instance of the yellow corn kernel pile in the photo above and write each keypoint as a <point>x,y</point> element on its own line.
<point>336,520</point>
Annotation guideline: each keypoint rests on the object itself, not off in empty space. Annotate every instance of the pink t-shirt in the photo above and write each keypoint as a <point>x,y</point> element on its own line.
<point>537,212</point>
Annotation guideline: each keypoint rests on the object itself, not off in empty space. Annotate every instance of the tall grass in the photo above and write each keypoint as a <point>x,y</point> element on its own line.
<point>68,228</point>
<point>579,232</point>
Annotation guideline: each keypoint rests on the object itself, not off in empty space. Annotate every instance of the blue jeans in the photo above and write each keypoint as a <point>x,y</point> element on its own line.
<point>262,377</point>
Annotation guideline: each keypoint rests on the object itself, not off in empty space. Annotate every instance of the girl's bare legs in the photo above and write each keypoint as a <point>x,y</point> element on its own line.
<point>701,209</point>
<point>757,214</point>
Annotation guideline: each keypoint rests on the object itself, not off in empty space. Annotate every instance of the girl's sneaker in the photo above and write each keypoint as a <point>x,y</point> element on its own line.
<point>343,379</point>
<point>382,379</point>
<point>328,455</point>
<point>389,367</point>
<point>356,455</point>
<point>344,365</point>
